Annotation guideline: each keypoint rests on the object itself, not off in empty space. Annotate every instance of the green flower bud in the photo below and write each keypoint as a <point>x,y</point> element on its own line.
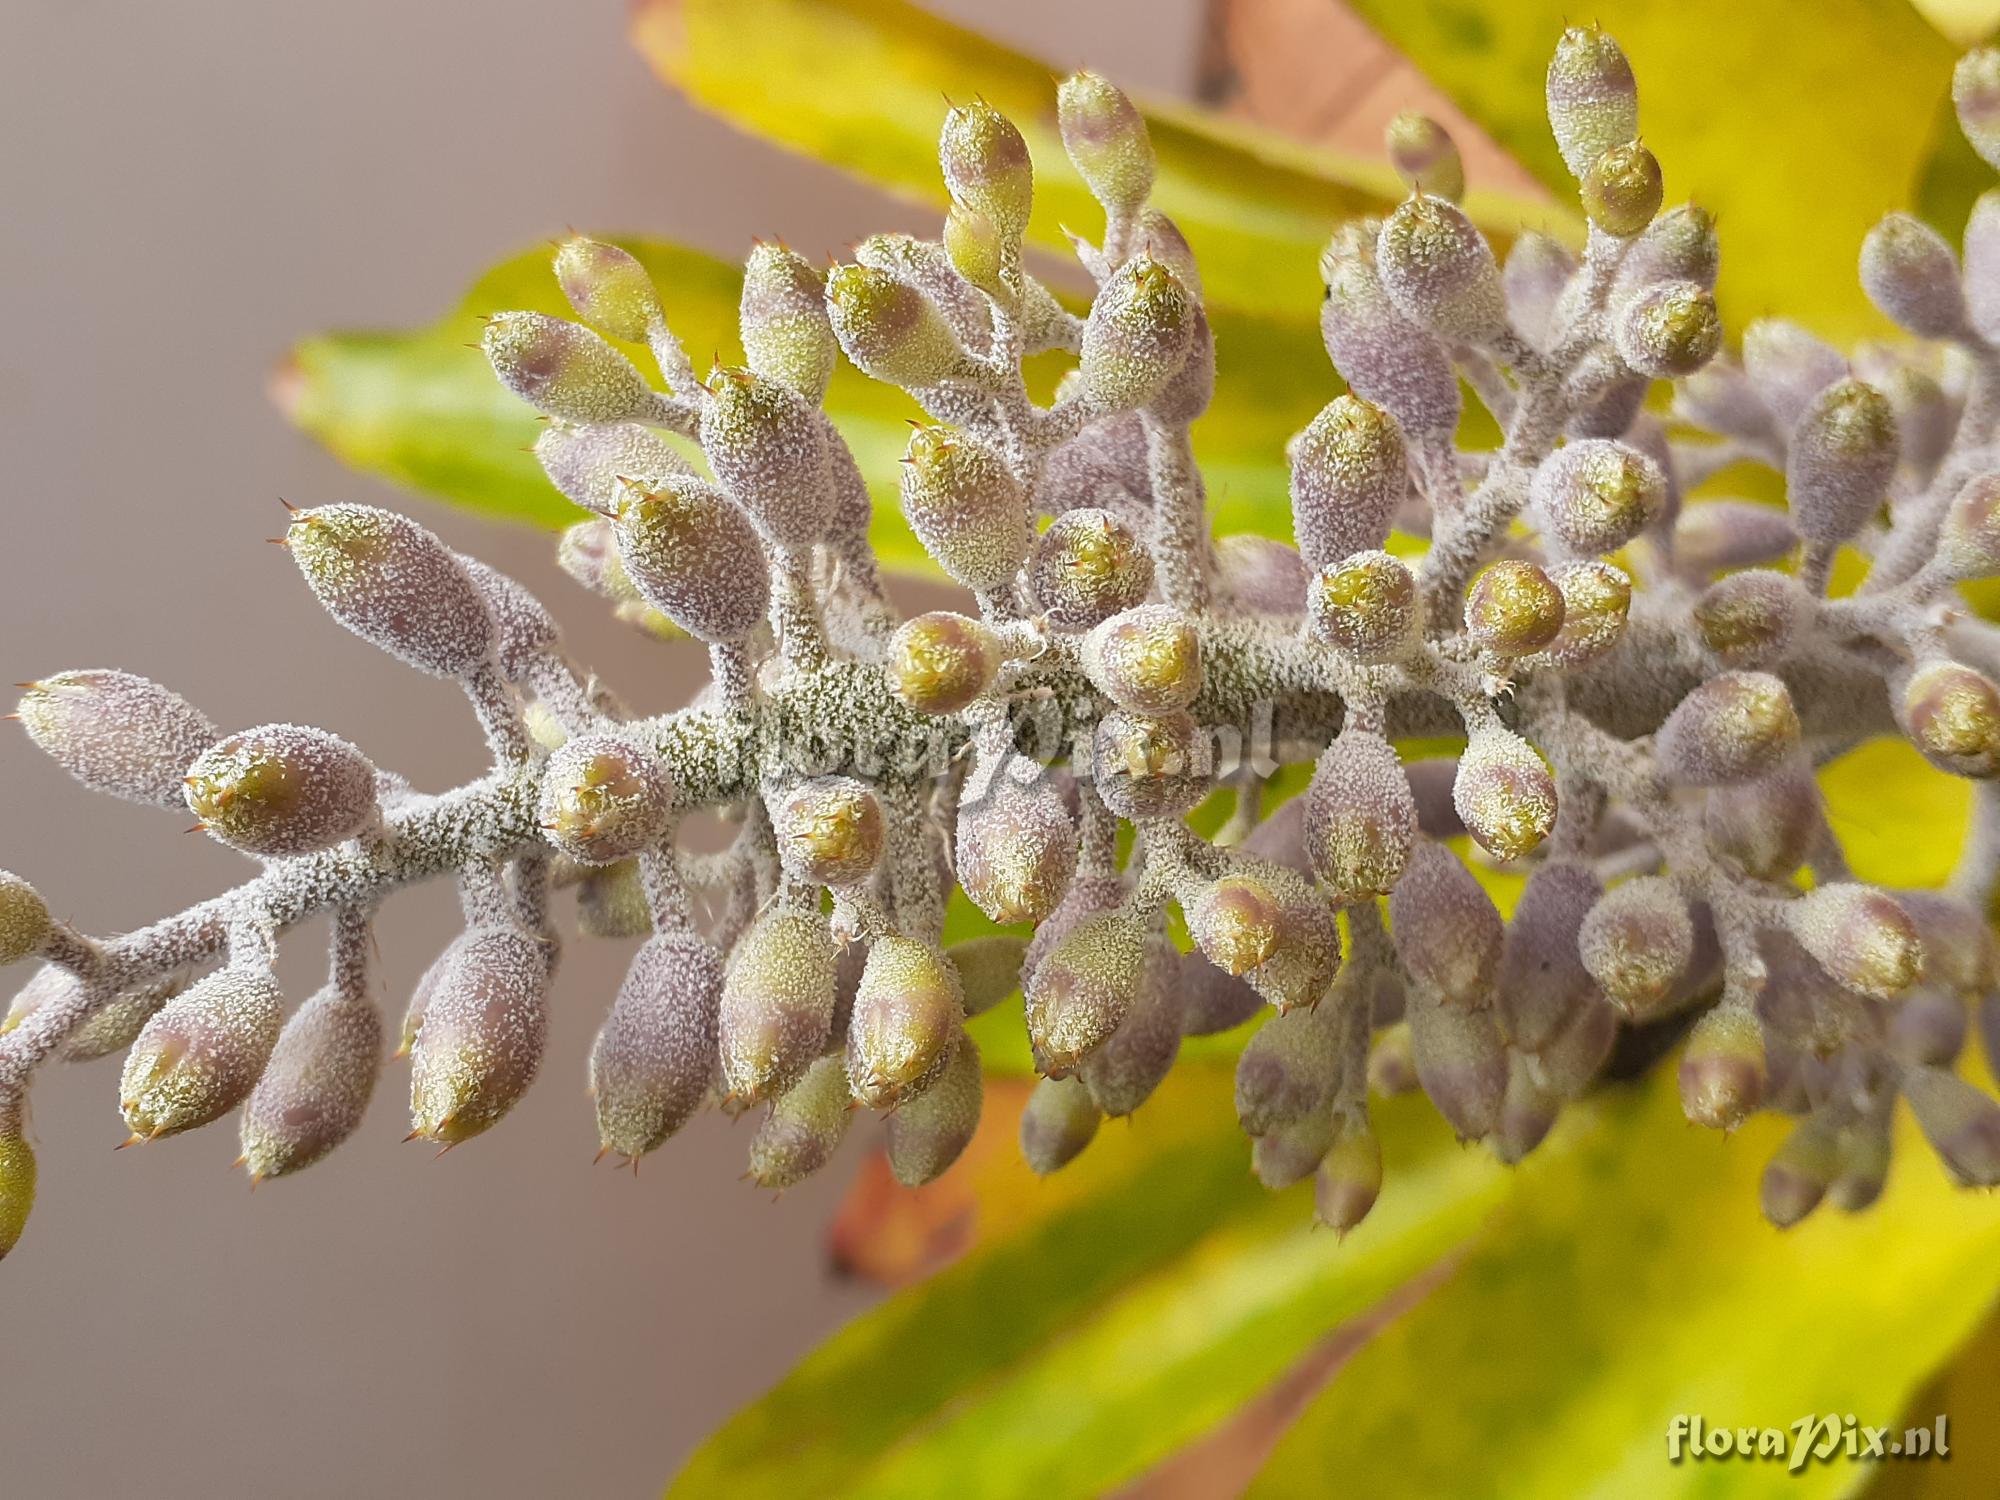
<point>1843,455</point>
<point>609,289</point>
<point>1722,1071</point>
<point>1382,355</point>
<point>1749,619</point>
<point>1059,1121</point>
<point>112,1027</point>
<point>1152,766</point>
<point>782,318</point>
<point>282,789</point>
<point>1592,97</point>
<point>1622,189</point>
<point>805,1127</point>
<point>777,1003</point>
<point>24,918</point>
<point>1425,156</point>
<point>1147,660</point>
<point>1969,540</point>
<point>1350,475</point>
<point>695,557</point>
<point>565,370</point>
<point>1528,1112</point>
<point>1368,607</point>
<point>908,1012</point>
<point>986,166</point>
<point>931,1131</point>
<point>316,1087</point>
<point>1594,495</point>
<point>604,799</point>
<point>1513,608</point>
<point>975,249</point>
<point>1669,330</point>
<point>484,1027</point>
<point>17,1187</point>
<point>1122,1073</point>
<point>940,661</point>
<point>1106,138</point>
<point>1291,1154</point>
<point>590,465</point>
<point>1361,818</point>
<point>890,329</point>
<point>1306,960</point>
<point>200,1056</point>
<point>1504,795</point>
<point>1961,1123</point>
<point>1087,567</point>
<point>768,450</point>
<point>1680,245</point>
<point>1734,727</point>
<point>1016,851</point>
<point>1137,335</point>
<point>1289,1069</point>
<point>1350,1174</point>
<point>1862,1150</point>
<point>968,510</point>
<point>394,584</point>
<point>1596,600</point>
<point>1637,942</point>
<point>116,732</point>
<point>989,969</point>
<point>1800,1172</point>
<point>1713,535</point>
<point>1082,991</point>
<point>1235,921</point>
<point>1788,367</point>
<point>1439,271</point>
<point>1461,1064</point>
<point>1911,275</point>
<point>1860,936</point>
<point>1542,985</point>
<point>1446,928</point>
<point>654,1059</point>
<point>829,831</point>
<point>1975,94</point>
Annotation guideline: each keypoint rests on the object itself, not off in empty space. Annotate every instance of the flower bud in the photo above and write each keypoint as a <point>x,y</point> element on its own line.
<point>829,831</point>
<point>890,329</point>
<point>1596,599</point>
<point>1059,1121</point>
<point>1975,94</point>
<point>1081,992</point>
<point>805,1127</point>
<point>316,1087</point>
<point>1537,271</point>
<point>1425,156</point>
<point>1106,138</point>
<point>1513,608</point>
<point>1087,567</point>
<point>968,510</point>
<point>1982,264</point>
<point>941,661</point>
<point>1504,795</point>
<point>1368,607</point>
<point>1152,766</point>
<point>1289,1070</point>
<point>1350,474</point>
<point>282,789</point>
<point>1147,660</point>
<point>1961,1123</point>
<point>782,318</point>
<point>654,1059</point>
<point>767,449</point>
<point>908,1012</point>
<point>1572,1062</point>
<point>116,732</point>
<point>1593,99</point>
<point>1235,921</point>
<point>1461,1064</point>
<point>1800,1172</point>
<point>1382,355</point>
<point>695,557</point>
<point>1749,619</point>
<point>931,1131</point>
<point>1969,539</point>
<point>1439,271</point>
<point>1911,275</point>
<point>1528,1112</point>
<point>1722,1071</point>
<point>1788,367</point>
<point>1712,535</point>
<point>394,584</point>
<point>112,1027</point>
<point>1213,1002</point>
<point>1293,1152</point>
<point>1765,827</point>
<point>17,1187</point>
<point>777,1003</point>
<point>604,799</point>
<point>1928,1028</point>
<point>1306,959</point>
<point>1122,1074</point>
<point>1862,1151</point>
<point>986,166</point>
<point>199,1057</point>
<point>1734,727</point>
<point>1542,984</point>
<point>565,370</point>
<point>1350,1174</point>
<point>1361,817</point>
<point>522,628</point>
<point>989,969</point>
<point>608,287</point>
<point>1392,1071</point>
<point>973,244</point>
<point>1860,936</point>
<point>1446,928</point>
<point>1669,330</point>
<point>1622,189</point>
<point>1843,455</point>
<point>1952,714</point>
<point>1636,943</point>
<point>590,464</point>
<point>1137,335</point>
<point>1959,950</point>
<point>1016,851</point>
<point>24,918</point>
<point>1594,495</point>
<point>480,1044</point>
<point>1259,575</point>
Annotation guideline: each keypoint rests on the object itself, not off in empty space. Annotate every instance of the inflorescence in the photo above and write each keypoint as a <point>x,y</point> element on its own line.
<point>1642,691</point>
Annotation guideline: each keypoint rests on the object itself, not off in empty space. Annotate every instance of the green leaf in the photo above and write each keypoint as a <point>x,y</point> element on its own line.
<point>858,84</point>
<point>1799,126</point>
<point>1630,1280</point>
<point>1079,1343</point>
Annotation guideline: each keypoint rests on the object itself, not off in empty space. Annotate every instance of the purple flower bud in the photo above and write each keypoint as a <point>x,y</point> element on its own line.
<point>1542,983</point>
<point>1383,356</point>
<point>316,1087</point>
<point>1368,607</point>
<point>1152,766</point>
<point>767,448</point>
<point>1750,619</point>
<point>1259,575</point>
<point>1596,600</point>
<point>1909,273</point>
<point>1439,271</point>
<point>1788,367</point>
<point>1059,1121</point>
<point>1765,827</point>
<point>1461,1063</point>
<point>889,329</point>
<point>604,799</point>
<point>1504,794</point>
<point>1734,727</point>
<point>967,509</point>
<point>1594,495</point>
<point>1637,943</point>
<point>1293,1152</point>
<point>480,1044</point>
<point>522,628</point>
<point>394,584</point>
<point>829,830</point>
<point>1122,1074</point>
<point>1106,138</point>
<point>1081,993</point>
<point>1982,264</point>
<point>1722,1071</point>
<point>1952,714</point>
<point>1350,1174</point>
<point>1801,1171</point>
<point>1975,94</point>
<point>1928,1029</point>
<point>1961,1123</point>
<point>1537,271</point>
<point>1969,540</point>
<point>1528,1112</point>
<point>1860,936</point>
<point>986,166</point>
<point>565,370</point>
<point>1213,1002</point>
<point>783,321</point>
<point>1361,817</point>
<point>1146,660</point>
<point>1844,453</point>
<point>117,733</point>
<point>931,1131</point>
<point>1087,567</point>
<point>1593,101</point>
<point>1447,930</point>
<point>1668,330</point>
<point>1959,951</point>
<point>1350,475</point>
<point>1137,336</point>
<point>282,789</point>
<point>200,1056</point>
<point>1513,608</point>
<point>1425,156</point>
<point>908,1013</point>
<point>1289,1070</point>
<point>1713,535</point>
<point>655,1057</point>
<point>1680,245</point>
<point>695,557</point>
<point>608,287</point>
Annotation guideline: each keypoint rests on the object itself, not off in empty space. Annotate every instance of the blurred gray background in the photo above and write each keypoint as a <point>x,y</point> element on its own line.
<point>187,189</point>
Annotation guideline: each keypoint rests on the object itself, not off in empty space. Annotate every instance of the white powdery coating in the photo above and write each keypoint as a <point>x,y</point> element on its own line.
<point>1350,475</point>
<point>1734,727</point>
<point>1542,983</point>
<point>588,463</point>
<point>777,1004</point>
<point>1593,100</point>
<point>112,1027</point>
<point>928,1133</point>
<point>1911,275</point>
<point>483,1032</point>
<point>696,558</point>
<point>317,1085</point>
<point>655,1056</point>
<point>909,1010</point>
<point>1081,992</point>
<point>117,732</point>
<point>1787,367</point>
<point>565,369</point>
<point>1446,929</point>
<point>1593,495</point>
<point>1122,1074</point>
<point>1104,467</point>
<point>1360,817</point>
<point>1504,795</point>
<point>1381,354</point>
<point>394,584</point>
<point>1860,936</point>
<point>1844,452</point>
<point>522,628</point>
<point>1086,567</point>
<point>282,789</point>
<point>1439,271</point>
<point>1146,660</point>
<point>1151,765</point>
<point>605,799</point>
<point>968,511</point>
<point>1016,850</point>
<point>200,1055</point>
<point>804,1128</point>
<point>1596,600</point>
<point>768,452</point>
<point>1637,943</point>
<point>1749,619</point>
<point>24,918</point>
